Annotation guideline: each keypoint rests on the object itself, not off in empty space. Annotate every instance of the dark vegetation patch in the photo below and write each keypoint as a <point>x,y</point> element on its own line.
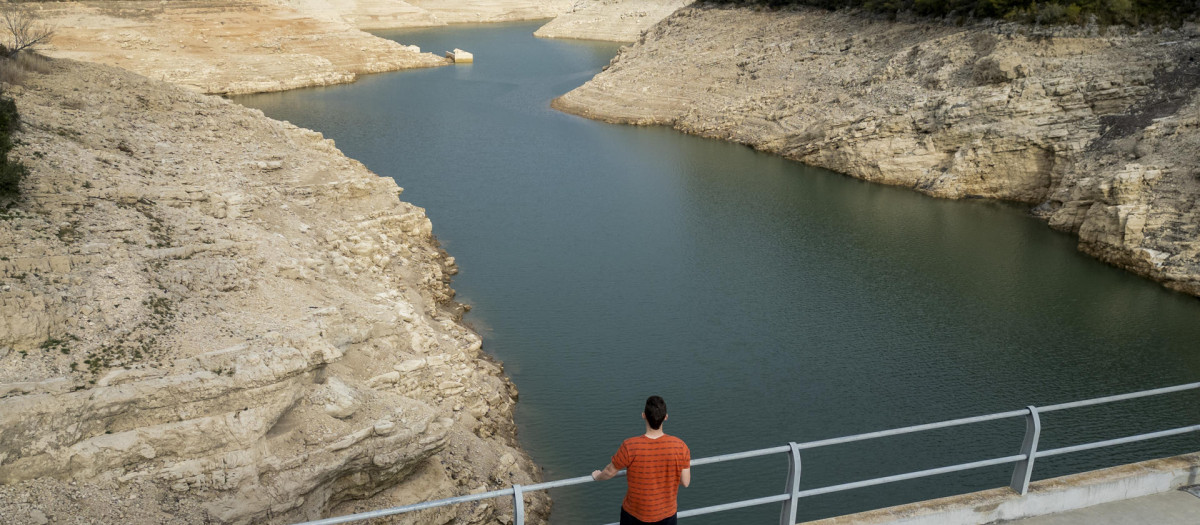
<point>11,173</point>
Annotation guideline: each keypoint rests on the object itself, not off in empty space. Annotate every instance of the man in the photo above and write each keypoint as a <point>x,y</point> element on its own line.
<point>657,464</point>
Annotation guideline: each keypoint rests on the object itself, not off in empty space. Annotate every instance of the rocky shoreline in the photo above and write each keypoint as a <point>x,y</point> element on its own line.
<point>212,316</point>
<point>1096,129</point>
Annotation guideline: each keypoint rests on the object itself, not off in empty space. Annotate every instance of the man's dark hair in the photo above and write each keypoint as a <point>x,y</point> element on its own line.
<point>656,411</point>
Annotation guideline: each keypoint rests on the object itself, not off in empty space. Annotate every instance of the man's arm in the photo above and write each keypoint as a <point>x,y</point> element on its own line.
<point>685,476</point>
<point>608,472</point>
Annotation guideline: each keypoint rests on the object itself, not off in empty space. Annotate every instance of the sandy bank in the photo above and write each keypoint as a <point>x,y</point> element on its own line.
<point>1097,131</point>
<point>212,316</point>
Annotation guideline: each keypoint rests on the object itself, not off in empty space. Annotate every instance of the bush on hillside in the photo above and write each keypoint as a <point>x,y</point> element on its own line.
<point>11,173</point>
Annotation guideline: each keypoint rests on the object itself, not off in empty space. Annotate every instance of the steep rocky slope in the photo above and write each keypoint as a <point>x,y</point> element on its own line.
<point>612,20</point>
<point>212,316</point>
<point>1097,129</point>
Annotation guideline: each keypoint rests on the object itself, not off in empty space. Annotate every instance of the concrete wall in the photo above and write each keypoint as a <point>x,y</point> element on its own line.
<point>1044,497</point>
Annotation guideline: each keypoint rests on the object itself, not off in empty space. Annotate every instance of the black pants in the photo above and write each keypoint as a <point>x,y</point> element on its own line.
<point>627,519</point>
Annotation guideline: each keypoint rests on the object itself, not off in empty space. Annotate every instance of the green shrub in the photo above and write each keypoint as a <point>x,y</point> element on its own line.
<point>11,173</point>
<point>1074,14</point>
<point>1051,14</point>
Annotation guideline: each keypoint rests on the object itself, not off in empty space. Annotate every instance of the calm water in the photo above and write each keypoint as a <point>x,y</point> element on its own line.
<point>766,301</point>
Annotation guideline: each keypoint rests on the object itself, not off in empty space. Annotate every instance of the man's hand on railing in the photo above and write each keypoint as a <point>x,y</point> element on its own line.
<point>608,473</point>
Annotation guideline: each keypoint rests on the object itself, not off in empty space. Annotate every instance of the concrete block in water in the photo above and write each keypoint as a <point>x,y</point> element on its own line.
<point>460,57</point>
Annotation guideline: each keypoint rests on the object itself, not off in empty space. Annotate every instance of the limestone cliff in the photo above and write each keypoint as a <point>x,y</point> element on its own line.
<point>612,20</point>
<point>212,316</point>
<point>1097,128</point>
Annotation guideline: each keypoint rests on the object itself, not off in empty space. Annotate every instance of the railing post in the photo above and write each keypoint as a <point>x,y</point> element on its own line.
<point>518,506</point>
<point>788,515</point>
<point>1024,469</point>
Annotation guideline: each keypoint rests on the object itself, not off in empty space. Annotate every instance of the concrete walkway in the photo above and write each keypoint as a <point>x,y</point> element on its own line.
<point>1176,507</point>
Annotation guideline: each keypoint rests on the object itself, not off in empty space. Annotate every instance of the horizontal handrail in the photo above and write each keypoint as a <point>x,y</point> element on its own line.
<point>1118,441</point>
<point>739,455</point>
<point>1119,397</point>
<point>1030,414</point>
<point>914,428</point>
<point>561,483</point>
<point>735,505</point>
<point>912,475</point>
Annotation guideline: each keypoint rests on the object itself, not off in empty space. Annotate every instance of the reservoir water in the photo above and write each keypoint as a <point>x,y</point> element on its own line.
<point>767,301</point>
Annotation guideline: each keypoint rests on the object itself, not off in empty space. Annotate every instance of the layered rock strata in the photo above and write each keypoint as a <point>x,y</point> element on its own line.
<point>212,316</point>
<point>612,20</point>
<point>1096,128</point>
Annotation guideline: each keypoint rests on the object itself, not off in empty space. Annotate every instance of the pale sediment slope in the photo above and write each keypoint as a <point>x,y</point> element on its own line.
<point>390,14</point>
<point>209,315</point>
<point>1099,132</point>
<point>223,46</point>
<point>368,14</point>
<point>481,11</point>
<point>612,20</point>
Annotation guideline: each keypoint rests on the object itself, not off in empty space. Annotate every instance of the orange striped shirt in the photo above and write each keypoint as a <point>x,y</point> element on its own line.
<point>653,468</point>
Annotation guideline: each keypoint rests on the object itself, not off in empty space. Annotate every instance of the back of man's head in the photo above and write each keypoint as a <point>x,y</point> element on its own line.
<point>656,411</point>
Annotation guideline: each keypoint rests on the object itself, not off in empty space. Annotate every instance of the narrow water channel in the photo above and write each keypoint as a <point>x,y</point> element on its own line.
<point>767,301</point>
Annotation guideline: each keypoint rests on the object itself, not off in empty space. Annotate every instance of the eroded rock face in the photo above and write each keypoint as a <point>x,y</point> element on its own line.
<point>214,316</point>
<point>1096,130</point>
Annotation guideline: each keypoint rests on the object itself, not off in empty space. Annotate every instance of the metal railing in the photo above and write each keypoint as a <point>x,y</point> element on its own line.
<point>1020,478</point>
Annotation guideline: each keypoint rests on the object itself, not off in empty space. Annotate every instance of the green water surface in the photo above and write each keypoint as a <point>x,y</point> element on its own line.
<point>767,301</point>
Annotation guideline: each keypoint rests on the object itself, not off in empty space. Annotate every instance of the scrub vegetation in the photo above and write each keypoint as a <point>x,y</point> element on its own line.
<point>11,172</point>
<point>1102,12</point>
